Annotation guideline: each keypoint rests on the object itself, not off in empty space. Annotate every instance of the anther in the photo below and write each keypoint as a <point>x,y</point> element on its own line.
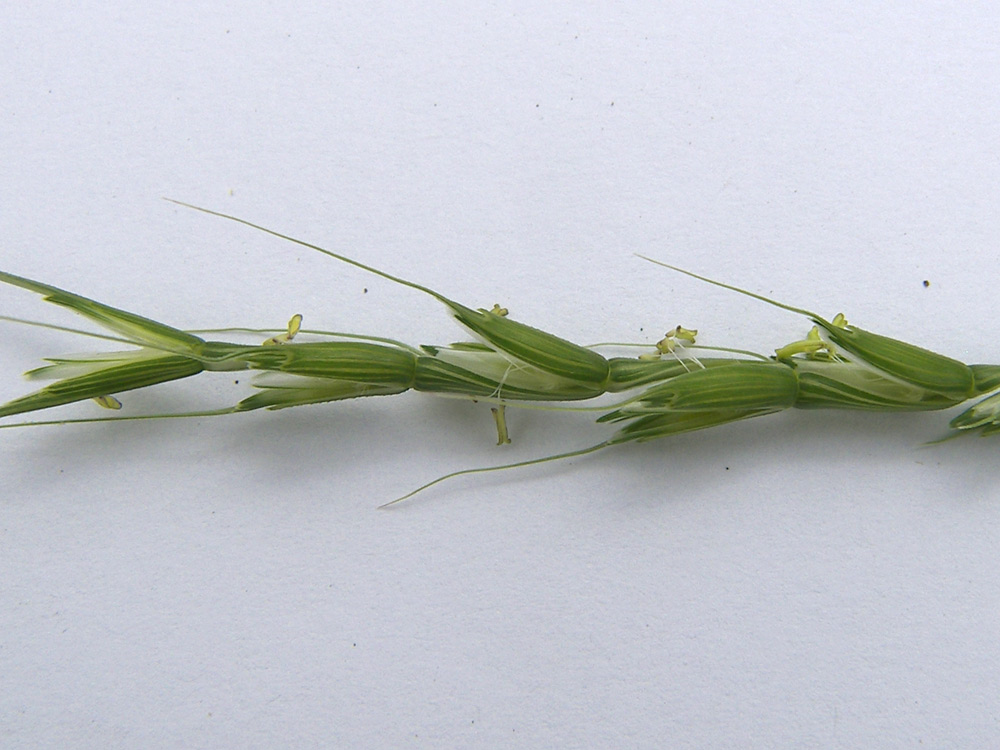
<point>500,417</point>
<point>283,338</point>
<point>812,346</point>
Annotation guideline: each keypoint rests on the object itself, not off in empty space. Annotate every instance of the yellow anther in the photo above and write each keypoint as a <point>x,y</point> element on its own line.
<point>293,328</point>
<point>666,345</point>
<point>839,320</point>
<point>813,346</point>
<point>685,334</point>
<point>108,402</point>
<point>671,339</point>
<point>501,311</point>
<point>500,417</point>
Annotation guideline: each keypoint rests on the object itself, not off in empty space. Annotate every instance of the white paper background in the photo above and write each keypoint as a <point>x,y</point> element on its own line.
<point>809,580</point>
